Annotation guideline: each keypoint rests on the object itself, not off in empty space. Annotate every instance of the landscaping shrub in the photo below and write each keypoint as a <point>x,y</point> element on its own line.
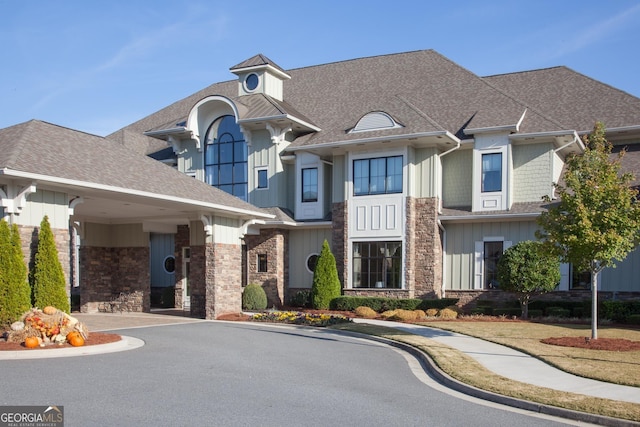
<point>507,312</point>
<point>47,277</point>
<point>403,315</point>
<point>448,313</point>
<point>633,319</point>
<point>558,312</point>
<point>379,304</point>
<point>387,315</point>
<point>15,292</point>
<point>535,313</point>
<point>619,311</point>
<point>432,312</point>
<point>301,299</point>
<point>364,311</point>
<point>254,297</point>
<point>326,283</point>
<point>420,314</point>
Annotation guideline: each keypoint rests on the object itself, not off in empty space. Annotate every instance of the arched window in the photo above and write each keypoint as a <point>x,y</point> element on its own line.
<point>226,157</point>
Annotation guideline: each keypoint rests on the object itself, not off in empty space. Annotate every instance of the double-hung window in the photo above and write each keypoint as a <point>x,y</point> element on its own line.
<point>382,175</point>
<point>310,185</point>
<point>491,172</point>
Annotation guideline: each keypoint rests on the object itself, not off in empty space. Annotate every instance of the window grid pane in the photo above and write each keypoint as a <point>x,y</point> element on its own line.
<point>226,157</point>
<point>377,176</point>
<point>377,265</point>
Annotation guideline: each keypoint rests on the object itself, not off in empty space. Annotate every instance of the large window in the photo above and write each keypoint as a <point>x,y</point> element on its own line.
<point>377,176</point>
<point>580,279</point>
<point>491,172</point>
<point>492,253</point>
<point>226,157</point>
<point>377,264</point>
<point>310,185</point>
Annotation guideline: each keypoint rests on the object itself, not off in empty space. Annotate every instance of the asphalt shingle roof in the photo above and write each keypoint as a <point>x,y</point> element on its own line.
<point>42,148</point>
<point>423,91</point>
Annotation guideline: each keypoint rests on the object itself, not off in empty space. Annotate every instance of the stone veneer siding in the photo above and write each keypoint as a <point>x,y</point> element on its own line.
<point>423,249</point>
<point>181,241</point>
<point>215,278</point>
<point>275,244</point>
<point>340,241</point>
<point>106,272</point>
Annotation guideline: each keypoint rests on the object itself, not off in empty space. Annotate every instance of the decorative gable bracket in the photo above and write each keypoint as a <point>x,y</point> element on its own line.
<point>15,198</point>
<point>277,133</point>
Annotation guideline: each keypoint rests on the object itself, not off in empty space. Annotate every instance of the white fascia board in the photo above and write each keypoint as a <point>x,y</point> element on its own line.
<point>623,129</point>
<point>172,131</point>
<point>271,68</point>
<point>337,144</point>
<point>493,129</point>
<point>480,218</point>
<point>296,224</point>
<point>280,117</point>
<point>128,191</point>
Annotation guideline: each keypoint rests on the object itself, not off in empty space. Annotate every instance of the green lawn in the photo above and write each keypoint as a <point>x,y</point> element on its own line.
<point>623,367</point>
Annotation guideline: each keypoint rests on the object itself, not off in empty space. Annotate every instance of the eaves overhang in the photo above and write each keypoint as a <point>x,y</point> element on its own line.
<point>277,118</point>
<point>71,184</point>
<point>497,129</point>
<point>446,135</point>
<point>176,131</point>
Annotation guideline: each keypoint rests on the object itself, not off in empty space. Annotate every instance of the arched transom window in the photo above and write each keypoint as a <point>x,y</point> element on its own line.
<point>226,157</point>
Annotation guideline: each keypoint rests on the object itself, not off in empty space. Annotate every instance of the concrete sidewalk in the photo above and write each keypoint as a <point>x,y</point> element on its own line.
<point>516,365</point>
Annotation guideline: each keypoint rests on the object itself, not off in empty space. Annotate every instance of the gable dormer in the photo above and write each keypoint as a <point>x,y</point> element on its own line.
<point>259,74</point>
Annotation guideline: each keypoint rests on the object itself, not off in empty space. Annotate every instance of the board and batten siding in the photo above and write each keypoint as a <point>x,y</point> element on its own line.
<point>423,169</point>
<point>303,243</point>
<point>532,172</point>
<point>226,230</point>
<point>457,176</point>
<point>264,154</point>
<point>625,277</point>
<point>339,172</point>
<point>51,203</point>
<point>460,247</point>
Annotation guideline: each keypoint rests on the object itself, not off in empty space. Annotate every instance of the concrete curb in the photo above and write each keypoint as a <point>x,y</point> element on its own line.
<point>443,378</point>
<point>124,344</point>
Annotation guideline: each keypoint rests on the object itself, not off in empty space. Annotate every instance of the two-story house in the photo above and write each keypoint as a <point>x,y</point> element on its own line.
<point>418,173</point>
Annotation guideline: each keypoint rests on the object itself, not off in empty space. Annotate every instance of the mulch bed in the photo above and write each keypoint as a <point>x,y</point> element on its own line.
<point>610,344</point>
<point>95,338</point>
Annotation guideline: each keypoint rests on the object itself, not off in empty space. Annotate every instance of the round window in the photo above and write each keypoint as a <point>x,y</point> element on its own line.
<point>251,82</point>
<point>169,264</point>
<point>312,261</point>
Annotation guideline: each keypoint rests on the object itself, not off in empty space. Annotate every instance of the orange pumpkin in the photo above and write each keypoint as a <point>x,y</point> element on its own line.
<point>31,342</point>
<point>76,340</point>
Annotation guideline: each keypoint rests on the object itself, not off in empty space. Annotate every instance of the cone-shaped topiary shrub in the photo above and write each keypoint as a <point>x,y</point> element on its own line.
<point>326,284</point>
<point>254,297</point>
<point>15,293</point>
<point>47,278</point>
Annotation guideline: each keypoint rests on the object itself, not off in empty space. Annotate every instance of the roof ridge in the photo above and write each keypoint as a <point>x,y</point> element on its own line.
<point>365,57</point>
<point>525,71</point>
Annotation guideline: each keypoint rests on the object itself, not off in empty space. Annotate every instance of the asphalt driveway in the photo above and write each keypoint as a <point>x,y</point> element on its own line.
<point>236,374</point>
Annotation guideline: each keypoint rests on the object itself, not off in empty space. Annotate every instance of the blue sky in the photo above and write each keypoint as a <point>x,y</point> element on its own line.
<point>98,66</point>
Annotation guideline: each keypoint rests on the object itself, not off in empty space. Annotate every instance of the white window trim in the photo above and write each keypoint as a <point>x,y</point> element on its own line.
<point>257,173</point>
<point>478,273</point>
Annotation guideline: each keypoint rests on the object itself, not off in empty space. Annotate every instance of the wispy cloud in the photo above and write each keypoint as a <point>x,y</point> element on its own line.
<point>582,37</point>
<point>153,50</point>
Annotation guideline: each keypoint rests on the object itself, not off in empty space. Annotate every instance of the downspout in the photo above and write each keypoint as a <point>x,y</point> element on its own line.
<point>444,257</point>
<point>576,139</point>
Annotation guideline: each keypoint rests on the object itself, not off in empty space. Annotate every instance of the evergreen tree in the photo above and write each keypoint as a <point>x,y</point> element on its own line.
<point>47,277</point>
<point>326,284</point>
<point>597,220</point>
<point>15,293</point>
